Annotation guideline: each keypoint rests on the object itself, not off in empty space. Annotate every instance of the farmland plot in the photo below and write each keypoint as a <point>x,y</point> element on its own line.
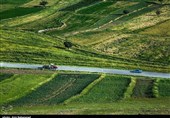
<point>143,88</point>
<point>12,88</point>
<point>110,89</point>
<point>164,88</point>
<point>57,90</point>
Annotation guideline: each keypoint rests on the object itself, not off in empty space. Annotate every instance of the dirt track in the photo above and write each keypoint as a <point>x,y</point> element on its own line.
<point>21,71</point>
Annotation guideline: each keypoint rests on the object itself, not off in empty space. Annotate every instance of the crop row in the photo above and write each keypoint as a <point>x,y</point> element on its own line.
<point>57,90</point>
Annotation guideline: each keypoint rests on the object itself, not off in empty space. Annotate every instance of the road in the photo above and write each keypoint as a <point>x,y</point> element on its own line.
<point>88,69</point>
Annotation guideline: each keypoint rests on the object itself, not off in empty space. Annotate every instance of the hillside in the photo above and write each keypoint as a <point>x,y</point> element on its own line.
<point>116,34</point>
<point>99,27</point>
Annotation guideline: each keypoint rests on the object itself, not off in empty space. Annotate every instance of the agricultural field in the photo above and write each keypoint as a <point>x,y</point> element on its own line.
<point>143,88</point>
<point>12,85</point>
<point>110,89</point>
<point>164,88</point>
<point>82,93</point>
<point>57,90</point>
<point>120,34</point>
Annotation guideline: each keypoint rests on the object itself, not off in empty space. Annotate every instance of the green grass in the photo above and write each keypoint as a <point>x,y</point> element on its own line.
<point>95,8</point>
<point>164,88</point>
<point>13,1</point>
<point>26,47</point>
<point>18,86</point>
<point>79,5</point>
<point>129,91</point>
<point>57,90</point>
<point>110,89</point>
<point>16,12</point>
<point>155,106</point>
<point>5,76</point>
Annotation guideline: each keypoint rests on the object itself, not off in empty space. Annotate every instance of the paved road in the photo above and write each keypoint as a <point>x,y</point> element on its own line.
<point>88,69</point>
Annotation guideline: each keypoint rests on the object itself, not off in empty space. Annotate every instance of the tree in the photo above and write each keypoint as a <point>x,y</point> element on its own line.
<point>43,3</point>
<point>125,11</point>
<point>68,44</point>
<point>158,12</point>
<point>160,1</point>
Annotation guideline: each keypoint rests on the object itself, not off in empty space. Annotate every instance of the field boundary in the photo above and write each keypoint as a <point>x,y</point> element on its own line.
<point>86,90</point>
<point>155,89</point>
<point>32,89</point>
<point>130,88</point>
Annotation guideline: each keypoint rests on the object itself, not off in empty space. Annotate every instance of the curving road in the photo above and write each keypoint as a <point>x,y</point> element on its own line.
<point>88,69</point>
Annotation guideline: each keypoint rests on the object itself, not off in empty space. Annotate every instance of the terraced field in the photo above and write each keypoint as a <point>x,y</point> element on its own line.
<point>124,34</point>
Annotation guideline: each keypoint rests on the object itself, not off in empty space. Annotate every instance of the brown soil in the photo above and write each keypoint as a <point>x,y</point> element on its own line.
<point>24,71</point>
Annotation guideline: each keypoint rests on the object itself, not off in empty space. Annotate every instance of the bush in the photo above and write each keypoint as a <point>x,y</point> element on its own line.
<point>125,11</point>
<point>43,3</point>
<point>68,44</point>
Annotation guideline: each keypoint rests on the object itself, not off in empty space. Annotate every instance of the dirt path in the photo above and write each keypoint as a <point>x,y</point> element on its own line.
<point>52,29</point>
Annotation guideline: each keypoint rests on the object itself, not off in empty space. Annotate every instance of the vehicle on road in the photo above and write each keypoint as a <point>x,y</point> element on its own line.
<point>136,71</point>
<point>49,67</point>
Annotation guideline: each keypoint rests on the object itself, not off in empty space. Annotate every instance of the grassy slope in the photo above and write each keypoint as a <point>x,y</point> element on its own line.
<point>32,48</point>
<point>160,29</point>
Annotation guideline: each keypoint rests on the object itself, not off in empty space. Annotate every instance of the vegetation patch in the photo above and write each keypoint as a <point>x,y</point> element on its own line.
<point>19,85</point>
<point>86,90</point>
<point>20,11</point>
<point>5,76</point>
<point>164,88</point>
<point>79,5</point>
<point>57,90</point>
<point>159,29</point>
<point>143,88</point>
<point>110,89</point>
<point>130,88</point>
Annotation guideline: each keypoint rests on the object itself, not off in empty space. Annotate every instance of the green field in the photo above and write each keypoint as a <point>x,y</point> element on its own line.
<point>4,76</point>
<point>57,90</point>
<point>18,12</point>
<point>45,94</point>
<point>16,86</point>
<point>121,34</point>
<point>164,88</point>
<point>110,89</point>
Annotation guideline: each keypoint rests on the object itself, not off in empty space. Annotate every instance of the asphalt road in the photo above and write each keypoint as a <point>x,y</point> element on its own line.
<point>88,69</point>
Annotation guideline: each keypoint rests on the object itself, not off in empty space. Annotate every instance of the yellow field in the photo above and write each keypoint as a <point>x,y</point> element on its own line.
<point>161,29</point>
